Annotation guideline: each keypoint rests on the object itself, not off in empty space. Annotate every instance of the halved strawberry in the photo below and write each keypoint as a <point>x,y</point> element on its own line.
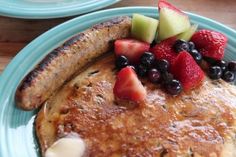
<point>128,86</point>
<point>210,43</point>
<point>164,50</point>
<point>131,48</point>
<point>187,71</point>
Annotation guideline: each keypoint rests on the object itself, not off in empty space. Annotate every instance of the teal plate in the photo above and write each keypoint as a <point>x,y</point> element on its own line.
<point>16,126</point>
<point>45,9</point>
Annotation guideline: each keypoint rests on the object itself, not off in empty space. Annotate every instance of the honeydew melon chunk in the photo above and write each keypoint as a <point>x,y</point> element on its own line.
<point>172,23</point>
<point>188,34</point>
<point>144,28</point>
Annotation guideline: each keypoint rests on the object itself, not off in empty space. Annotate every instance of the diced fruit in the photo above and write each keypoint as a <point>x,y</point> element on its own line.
<point>210,43</point>
<point>215,72</point>
<point>181,45</point>
<point>162,65</point>
<point>172,21</point>
<point>188,33</point>
<point>128,86</point>
<point>229,76</point>
<point>144,28</point>
<point>164,50</point>
<point>121,62</point>
<point>232,66</point>
<point>196,55</point>
<point>173,87</point>
<point>142,70</point>
<point>147,59</point>
<point>154,75</point>
<point>187,71</point>
<point>132,49</point>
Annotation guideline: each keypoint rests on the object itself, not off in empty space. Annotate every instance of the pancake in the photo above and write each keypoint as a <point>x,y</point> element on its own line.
<point>200,123</point>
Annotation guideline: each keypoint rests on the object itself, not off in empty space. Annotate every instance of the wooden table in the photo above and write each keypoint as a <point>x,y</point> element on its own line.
<point>16,33</point>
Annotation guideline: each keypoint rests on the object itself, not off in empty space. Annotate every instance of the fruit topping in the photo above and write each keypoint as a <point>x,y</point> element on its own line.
<point>187,71</point>
<point>128,86</point>
<point>147,59</point>
<point>229,76</point>
<point>131,48</point>
<point>121,62</point>
<point>164,50</point>
<point>222,64</point>
<point>142,70</point>
<point>144,28</point>
<point>215,72</point>
<point>172,21</point>
<point>154,75</point>
<point>232,66</point>
<point>196,55</point>
<point>166,78</point>
<point>162,65</point>
<point>191,46</point>
<point>173,87</point>
<point>181,45</point>
<point>210,43</point>
<point>188,33</point>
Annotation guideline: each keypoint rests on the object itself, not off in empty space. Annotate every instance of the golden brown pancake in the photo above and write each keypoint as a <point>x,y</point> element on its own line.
<point>200,123</point>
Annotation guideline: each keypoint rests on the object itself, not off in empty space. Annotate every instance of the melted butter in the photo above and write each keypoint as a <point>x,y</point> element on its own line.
<point>68,146</point>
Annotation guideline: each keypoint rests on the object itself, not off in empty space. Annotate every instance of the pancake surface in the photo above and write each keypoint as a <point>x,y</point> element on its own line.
<point>199,123</point>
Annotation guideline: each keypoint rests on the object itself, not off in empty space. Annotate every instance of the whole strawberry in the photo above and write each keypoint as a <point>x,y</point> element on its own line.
<point>210,43</point>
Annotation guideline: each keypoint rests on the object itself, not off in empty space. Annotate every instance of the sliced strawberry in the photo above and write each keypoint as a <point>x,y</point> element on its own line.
<point>164,50</point>
<point>210,43</point>
<point>131,48</point>
<point>128,86</point>
<point>165,4</point>
<point>187,71</point>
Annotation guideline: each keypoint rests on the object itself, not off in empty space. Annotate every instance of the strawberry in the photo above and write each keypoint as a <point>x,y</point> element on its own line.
<point>210,43</point>
<point>128,86</point>
<point>164,50</point>
<point>131,48</point>
<point>187,71</point>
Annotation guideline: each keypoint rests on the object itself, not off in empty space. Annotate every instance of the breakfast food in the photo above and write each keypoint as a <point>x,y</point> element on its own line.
<point>198,123</point>
<point>64,61</point>
<point>151,97</point>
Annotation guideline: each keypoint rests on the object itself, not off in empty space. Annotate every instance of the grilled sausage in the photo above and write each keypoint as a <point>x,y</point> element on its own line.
<point>60,64</point>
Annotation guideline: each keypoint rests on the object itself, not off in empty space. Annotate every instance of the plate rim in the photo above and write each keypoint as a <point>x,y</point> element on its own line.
<point>73,9</point>
<point>25,51</point>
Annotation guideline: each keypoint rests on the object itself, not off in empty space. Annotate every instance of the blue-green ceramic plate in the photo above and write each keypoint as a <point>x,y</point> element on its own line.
<point>16,126</point>
<point>44,9</point>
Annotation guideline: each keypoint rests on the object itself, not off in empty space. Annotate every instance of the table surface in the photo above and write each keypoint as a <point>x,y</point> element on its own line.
<point>16,33</point>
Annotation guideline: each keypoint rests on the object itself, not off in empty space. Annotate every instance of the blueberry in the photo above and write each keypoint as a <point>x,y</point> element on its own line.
<point>162,65</point>
<point>147,59</point>
<point>166,77</point>
<point>154,75</point>
<point>196,55</point>
<point>191,46</point>
<point>121,62</point>
<point>229,76</point>
<point>232,66</point>
<point>142,70</point>
<point>174,87</point>
<point>215,72</point>
<point>181,45</point>
<point>222,64</point>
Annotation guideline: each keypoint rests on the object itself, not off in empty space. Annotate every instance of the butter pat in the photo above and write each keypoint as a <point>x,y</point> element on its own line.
<point>71,147</point>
